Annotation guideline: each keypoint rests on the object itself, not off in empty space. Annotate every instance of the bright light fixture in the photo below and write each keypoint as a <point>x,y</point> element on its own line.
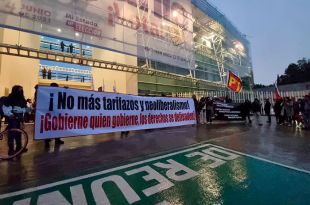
<point>209,36</point>
<point>77,34</point>
<point>239,47</point>
<point>58,30</point>
<point>175,14</point>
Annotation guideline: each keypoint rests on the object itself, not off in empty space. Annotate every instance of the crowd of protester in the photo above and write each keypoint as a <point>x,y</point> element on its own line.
<point>205,108</point>
<point>288,111</point>
<point>292,112</point>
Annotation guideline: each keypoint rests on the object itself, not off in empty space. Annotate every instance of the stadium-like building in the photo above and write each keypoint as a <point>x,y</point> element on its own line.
<point>146,47</point>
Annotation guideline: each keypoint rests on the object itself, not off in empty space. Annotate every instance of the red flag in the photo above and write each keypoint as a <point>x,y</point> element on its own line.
<point>276,94</point>
<point>234,82</point>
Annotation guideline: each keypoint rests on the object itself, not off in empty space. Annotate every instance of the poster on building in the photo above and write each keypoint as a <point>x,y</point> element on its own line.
<point>150,29</point>
<point>62,112</point>
<point>227,111</point>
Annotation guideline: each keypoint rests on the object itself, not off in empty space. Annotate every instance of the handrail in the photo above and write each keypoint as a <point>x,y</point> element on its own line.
<point>19,50</point>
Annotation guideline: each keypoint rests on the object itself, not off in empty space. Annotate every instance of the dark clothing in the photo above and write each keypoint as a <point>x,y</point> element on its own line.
<point>195,104</point>
<point>71,48</point>
<point>44,73</point>
<point>196,109</point>
<point>62,46</point>
<point>15,101</point>
<point>256,106</point>
<point>277,111</point>
<point>201,104</point>
<point>247,107</point>
<point>209,110</point>
<point>245,111</point>
<point>267,107</point>
<point>49,74</point>
<point>228,100</point>
<point>267,110</point>
<point>15,121</point>
<point>209,115</point>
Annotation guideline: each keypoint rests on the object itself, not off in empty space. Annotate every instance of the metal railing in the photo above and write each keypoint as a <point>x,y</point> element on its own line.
<point>56,47</point>
<point>244,95</point>
<point>236,97</point>
<point>17,50</point>
<point>66,77</point>
<point>65,74</point>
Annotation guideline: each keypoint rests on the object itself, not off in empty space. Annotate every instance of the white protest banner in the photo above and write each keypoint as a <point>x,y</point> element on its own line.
<point>62,112</point>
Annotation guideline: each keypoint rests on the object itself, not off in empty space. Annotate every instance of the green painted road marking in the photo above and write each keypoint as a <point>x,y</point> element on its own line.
<point>201,174</point>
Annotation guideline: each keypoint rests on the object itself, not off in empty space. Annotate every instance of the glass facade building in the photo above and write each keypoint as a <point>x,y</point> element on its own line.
<point>218,47</point>
<point>189,39</point>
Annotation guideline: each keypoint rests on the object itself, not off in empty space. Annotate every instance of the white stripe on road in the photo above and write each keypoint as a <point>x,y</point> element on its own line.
<point>265,160</point>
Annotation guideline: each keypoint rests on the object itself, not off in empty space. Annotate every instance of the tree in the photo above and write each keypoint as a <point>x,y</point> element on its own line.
<point>296,73</point>
<point>257,86</point>
<point>278,79</point>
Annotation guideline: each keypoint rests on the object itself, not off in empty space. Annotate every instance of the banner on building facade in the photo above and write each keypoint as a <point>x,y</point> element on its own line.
<point>62,112</point>
<point>151,29</point>
<point>228,111</point>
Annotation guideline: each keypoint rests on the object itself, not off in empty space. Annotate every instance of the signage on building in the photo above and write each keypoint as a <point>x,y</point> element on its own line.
<point>159,30</point>
<point>64,112</point>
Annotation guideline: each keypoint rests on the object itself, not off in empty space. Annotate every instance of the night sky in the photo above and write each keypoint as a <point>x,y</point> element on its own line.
<point>278,30</point>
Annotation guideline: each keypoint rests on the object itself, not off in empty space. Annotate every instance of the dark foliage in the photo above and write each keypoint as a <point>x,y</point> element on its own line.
<point>296,73</point>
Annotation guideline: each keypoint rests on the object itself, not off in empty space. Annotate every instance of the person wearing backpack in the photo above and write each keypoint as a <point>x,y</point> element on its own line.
<point>14,107</point>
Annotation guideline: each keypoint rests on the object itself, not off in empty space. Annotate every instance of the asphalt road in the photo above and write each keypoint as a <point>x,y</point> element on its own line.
<point>88,154</point>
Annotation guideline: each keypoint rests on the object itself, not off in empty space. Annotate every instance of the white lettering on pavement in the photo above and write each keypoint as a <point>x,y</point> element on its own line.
<point>163,183</point>
<point>172,172</point>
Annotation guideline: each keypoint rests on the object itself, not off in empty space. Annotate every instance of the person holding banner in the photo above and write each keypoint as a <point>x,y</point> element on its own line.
<point>202,110</point>
<point>196,108</point>
<point>209,110</point>
<point>58,141</point>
